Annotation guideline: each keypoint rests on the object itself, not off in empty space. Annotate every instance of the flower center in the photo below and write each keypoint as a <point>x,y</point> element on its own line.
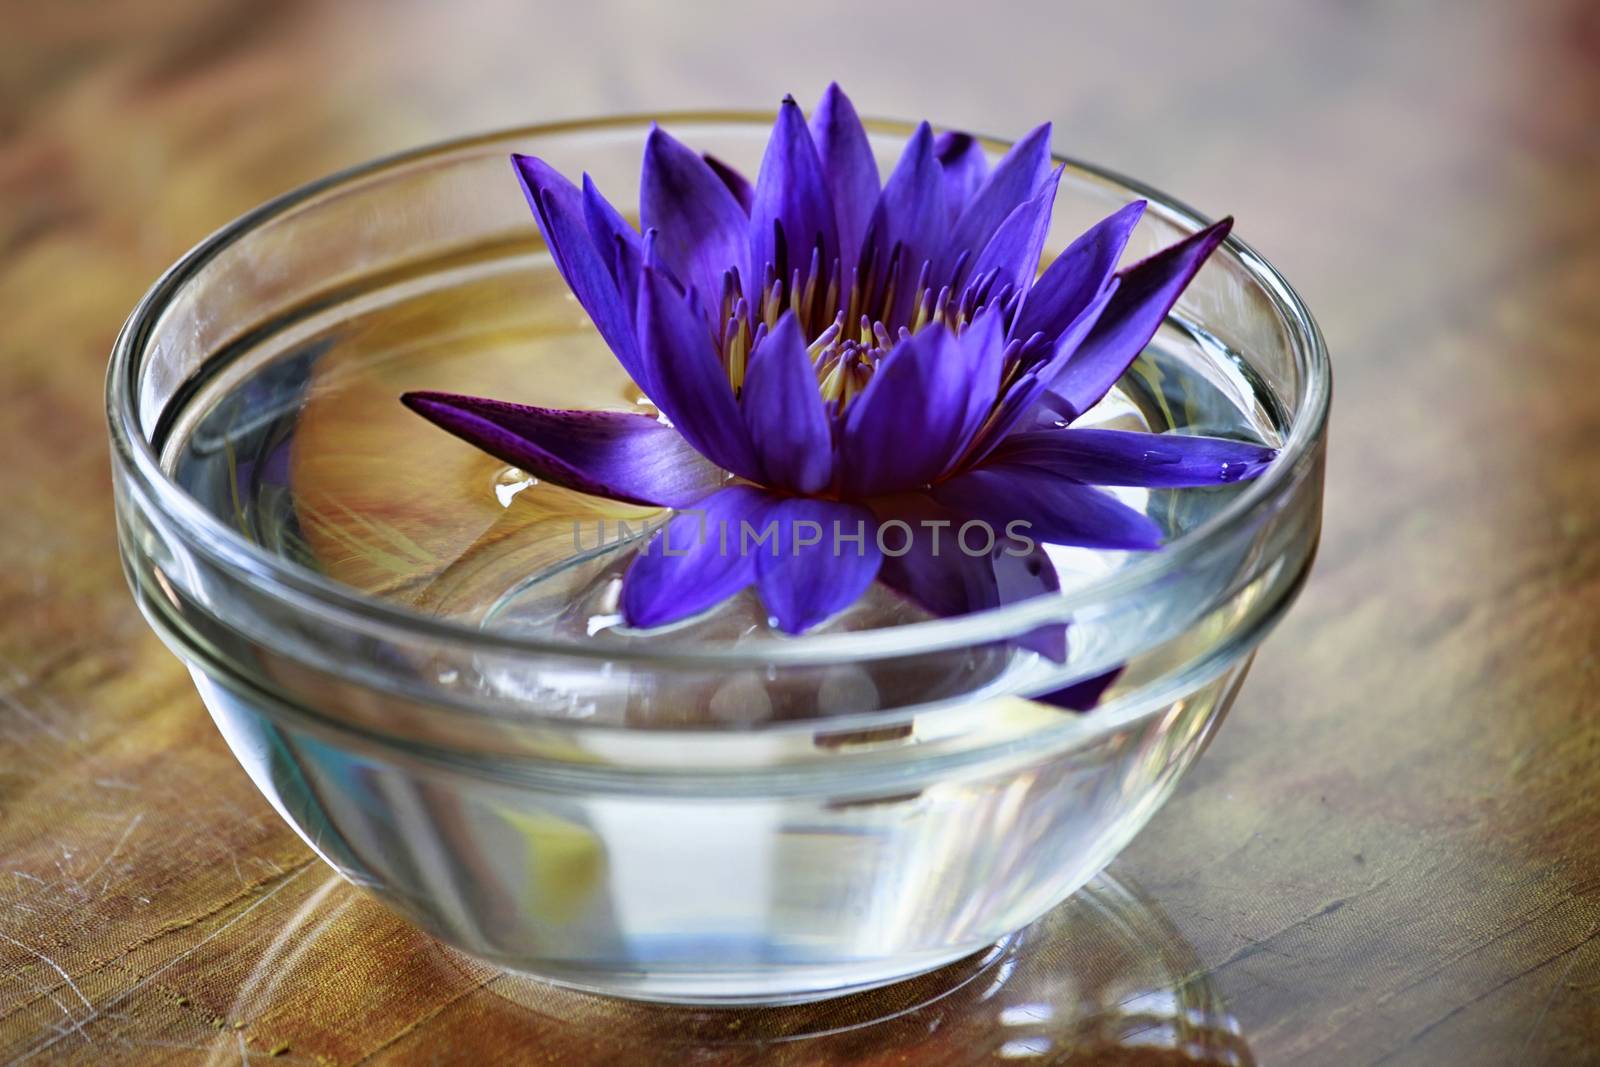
<point>850,330</point>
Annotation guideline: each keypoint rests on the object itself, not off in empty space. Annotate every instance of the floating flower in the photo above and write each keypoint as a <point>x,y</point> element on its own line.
<point>856,381</point>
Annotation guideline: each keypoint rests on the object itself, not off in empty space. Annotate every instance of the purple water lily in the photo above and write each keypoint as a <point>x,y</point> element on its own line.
<point>831,354</point>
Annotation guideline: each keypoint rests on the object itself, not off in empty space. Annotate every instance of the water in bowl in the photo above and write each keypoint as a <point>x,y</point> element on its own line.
<point>297,439</point>
<point>748,885</point>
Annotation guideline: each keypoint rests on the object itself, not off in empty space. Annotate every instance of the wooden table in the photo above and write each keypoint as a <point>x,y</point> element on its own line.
<point>1391,854</point>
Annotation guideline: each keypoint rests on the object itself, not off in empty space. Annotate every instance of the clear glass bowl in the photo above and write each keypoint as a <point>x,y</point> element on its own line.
<point>848,841</point>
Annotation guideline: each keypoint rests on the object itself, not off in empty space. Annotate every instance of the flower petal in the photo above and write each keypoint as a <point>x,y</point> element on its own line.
<point>1021,576</point>
<point>1077,275</point>
<point>702,230</point>
<point>1023,397</point>
<point>559,209</point>
<point>1149,289</point>
<point>607,227</point>
<point>965,165</point>
<point>737,183</point>
<point>694,562</point>
<point>1014,179</point>
<point>910,214</point>
<point>687,381</point>
<point>912,420</point>
<point>1015,248</point>
<point>825,555</point>
<point>849,166</point>
<point>619,245</point>
<point>925,561</point>
<point>782,406</point>
<point>1122,457</point>
<point>613,454</point>
<point>935,575</point>
<point>981,348</point>
<point>792,213</point>
<point>1081,696</point>
<point>1056,510</point>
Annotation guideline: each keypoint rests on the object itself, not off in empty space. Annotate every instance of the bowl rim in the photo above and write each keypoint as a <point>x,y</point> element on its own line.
<point>312,593</point>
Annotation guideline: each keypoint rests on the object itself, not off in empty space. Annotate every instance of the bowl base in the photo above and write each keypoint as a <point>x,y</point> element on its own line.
<point>757,989</point>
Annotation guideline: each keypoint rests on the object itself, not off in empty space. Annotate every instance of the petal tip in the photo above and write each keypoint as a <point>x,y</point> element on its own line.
<point>426,402</point>
<point>1040,133</point>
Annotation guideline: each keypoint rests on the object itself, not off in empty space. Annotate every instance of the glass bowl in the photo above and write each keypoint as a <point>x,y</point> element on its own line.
<point>905,797</point>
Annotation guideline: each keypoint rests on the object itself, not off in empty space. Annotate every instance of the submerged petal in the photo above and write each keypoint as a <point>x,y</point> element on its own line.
<point>1081,696</point>
<point>701,229</point>
<point>694,562</point>
<point>613,454</point>
<point>792,213</point>
<point>789,427</point>
<point>687,380</point>
<point>1053,509</point>
<point>824,555</point>
<point>1122,457</point>
<point>849,167</point>
<point>1019,576</point>
<point>1149,289</point>
<point>922,564</point>
<point>1077,275</point>
<point>928,561</point>
<point>965,165</point>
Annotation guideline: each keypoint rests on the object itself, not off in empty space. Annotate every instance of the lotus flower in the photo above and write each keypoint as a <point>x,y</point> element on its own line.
<point>829,353</point>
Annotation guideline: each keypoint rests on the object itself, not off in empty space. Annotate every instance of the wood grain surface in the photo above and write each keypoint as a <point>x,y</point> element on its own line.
<point>1390,855</point>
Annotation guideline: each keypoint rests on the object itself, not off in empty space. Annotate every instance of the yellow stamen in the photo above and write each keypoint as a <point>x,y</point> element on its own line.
<point>774,305</point>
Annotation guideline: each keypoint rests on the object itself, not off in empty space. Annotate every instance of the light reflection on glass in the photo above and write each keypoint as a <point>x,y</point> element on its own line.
<point>1103,976</point>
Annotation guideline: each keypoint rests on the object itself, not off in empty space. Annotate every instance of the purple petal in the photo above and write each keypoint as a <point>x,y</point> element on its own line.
<point>702,230</point>
<point>825,555</point>
<point>981,351</point>
<point>541,183</point>
<point>1023,397</point>
<point>912,420</point>
<point>1148,291</point>
<point>1055,509</point>
<point>1077,275</point>
<point>1018,577</point>
<point>1015,178</point>
<point>559,209</point>
<point>613,454</point>
<point>694,562</point>
<point>925,562</point>
<point>1081,696</point>
<point>607,227</point>
<point>965,165</point>
<point>849,166</point>
<point>783,408</point>
<point>792,214</point>
<point>737,183</point>
<point>687,380</point>
<point>910,214</point>
<point>1121,457</point>
<point>618,244</point>
<point>1015,248</point>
